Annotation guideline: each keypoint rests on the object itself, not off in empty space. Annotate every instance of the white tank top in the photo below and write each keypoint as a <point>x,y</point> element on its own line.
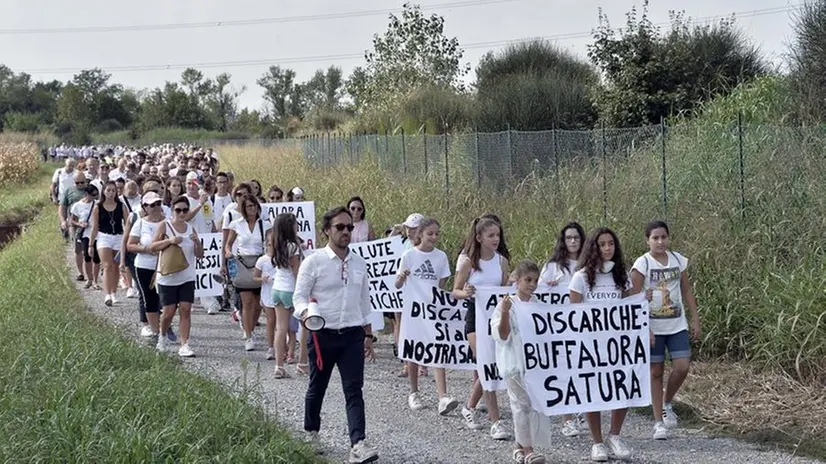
<point>489,273</point>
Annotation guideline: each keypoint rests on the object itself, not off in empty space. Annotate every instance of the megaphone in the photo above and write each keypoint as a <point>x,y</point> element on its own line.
<point>313,322</point>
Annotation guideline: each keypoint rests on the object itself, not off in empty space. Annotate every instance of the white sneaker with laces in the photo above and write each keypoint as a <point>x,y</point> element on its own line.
<point>599,452</point>
<point>162,344</point>
<point>146,331</point>
<point>361,453</point>
<point>669,417</point>
<point>249,345</point>
<point>270,354</point>
<point>185,351</point>
<point>660,432</point>
<point>114,300</point>
<point>414,402</point>
<point>447,405</point>
<point>470,418</point>
<point>131,293</point>
<point>570,428</point>
<point>618,448</point>
<point>498,431</point>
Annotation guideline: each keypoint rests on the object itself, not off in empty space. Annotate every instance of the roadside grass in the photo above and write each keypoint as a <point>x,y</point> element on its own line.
<point>21,201</point>
<point>75,390</point>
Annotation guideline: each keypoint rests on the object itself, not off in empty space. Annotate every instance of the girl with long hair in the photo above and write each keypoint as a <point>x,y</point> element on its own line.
<point>108,219</point>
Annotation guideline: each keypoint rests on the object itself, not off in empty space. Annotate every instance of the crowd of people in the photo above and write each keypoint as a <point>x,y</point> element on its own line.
<point>135,216</point>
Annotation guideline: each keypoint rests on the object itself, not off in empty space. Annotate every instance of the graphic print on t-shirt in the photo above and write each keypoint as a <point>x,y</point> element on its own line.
<point>662,305</point>
<point>426,271</point>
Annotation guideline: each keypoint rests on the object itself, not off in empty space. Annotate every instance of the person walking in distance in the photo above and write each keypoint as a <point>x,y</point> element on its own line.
<point>337,280</point>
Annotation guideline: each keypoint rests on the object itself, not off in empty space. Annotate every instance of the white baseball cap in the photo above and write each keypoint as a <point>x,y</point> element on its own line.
<point>192,177</point>
<point>149,198</point>
<point>413,220</point>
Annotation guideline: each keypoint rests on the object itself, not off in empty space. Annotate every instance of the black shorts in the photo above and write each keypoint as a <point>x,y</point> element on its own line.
<point>176,294</point>
<point>470,317</point>
<point>256,291</point>
<point>83,245</point>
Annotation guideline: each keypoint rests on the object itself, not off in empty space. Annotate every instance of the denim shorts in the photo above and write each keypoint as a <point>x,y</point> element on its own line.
<point>678,346</point>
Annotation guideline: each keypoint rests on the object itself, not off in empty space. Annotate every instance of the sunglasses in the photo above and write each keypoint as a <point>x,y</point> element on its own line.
<point>356,208</point>
<point>182,210</point>
<point>275,199</point>
<point>80,184</point>
<point>154,205</point>
<point>340,227</point>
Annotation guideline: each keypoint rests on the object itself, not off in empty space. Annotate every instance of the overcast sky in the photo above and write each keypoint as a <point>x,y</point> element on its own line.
<point>311,42</point>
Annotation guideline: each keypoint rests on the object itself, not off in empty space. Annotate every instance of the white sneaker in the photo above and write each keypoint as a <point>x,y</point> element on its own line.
<point>361,453</point>
<point>108,300</point>
<point>315,442</point>
<point>618,448</point>
<point>570,428</point>
<point>212,310</point>
<point>447,405</point>
<point>669,417</point>
<point>114,300</point>
<point>146,331</point>
<point>185,351</point>
<point>414,402</point>
<point>660,432</point>
<point>270,354</point>
<point>162,344</point>
<point>599,452</point>
<point>249,345</point>
<point>470,418</point>
<point>498,431</point>
<point>131,293</point>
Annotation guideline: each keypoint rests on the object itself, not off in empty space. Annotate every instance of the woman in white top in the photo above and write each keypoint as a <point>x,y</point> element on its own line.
<point>362,230</point>
<point>481,266</point>
<point>602,276</point>
<point>141,234</point>
<point>557,273</point>
<point>248,230</point>
<point>177,290</point>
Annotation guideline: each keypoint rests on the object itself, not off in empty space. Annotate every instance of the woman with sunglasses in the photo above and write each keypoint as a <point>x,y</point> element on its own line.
<point>140,236</point>
<point>177,290</point>
<point>275,194</point>
<point>108,219</point>
<point>363,231</point>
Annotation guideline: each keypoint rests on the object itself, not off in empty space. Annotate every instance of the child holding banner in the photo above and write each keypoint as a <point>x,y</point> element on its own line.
<point>662,273</point>
<point>480,266</point>
<point>410,231</point>
<point>557,272</point>
<point>529,426</point>
<point>602,277</point>
<point>428,263</point>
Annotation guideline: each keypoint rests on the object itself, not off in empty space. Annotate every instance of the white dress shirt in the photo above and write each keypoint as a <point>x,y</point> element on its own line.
<point>341,288</point>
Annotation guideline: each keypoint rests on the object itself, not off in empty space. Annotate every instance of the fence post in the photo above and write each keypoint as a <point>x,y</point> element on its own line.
<point>425,153</point>
<point>665,181</point>
<point>510,153</point>
<point>742,167</point>
<point>604,177</point>
<point>404,154</point>
<point>329,148</point>
<point>386,145</point>
<point>350,146</point>
<point>447,173</point>
<point>478,165</point>
<point>556,164</point>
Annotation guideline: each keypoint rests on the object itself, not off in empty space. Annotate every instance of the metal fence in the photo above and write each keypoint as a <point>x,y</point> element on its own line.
<point>740,154</point>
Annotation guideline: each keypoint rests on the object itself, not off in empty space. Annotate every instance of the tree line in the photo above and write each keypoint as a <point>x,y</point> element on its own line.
<point>413,79</point>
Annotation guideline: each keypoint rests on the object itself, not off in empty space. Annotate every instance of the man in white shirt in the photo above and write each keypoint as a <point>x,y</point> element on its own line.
<point>222,197</point>
<point>337,279</point>
<point>63,179</point>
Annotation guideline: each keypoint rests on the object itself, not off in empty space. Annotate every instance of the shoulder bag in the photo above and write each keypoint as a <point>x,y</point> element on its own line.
<point>172,258</point>
<point>243,279</point>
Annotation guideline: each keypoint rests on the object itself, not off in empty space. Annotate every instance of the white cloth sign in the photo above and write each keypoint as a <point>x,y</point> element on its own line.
<point>486,300</point>
<point>209,266</point>
<point>382,257</point>
<point>433,327</point>
<point>304,213</point>
<point>586,357</point>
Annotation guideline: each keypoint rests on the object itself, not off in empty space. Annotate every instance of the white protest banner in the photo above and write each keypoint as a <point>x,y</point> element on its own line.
<point>382,258</point>
<point>433,327</point>
<point>304,213</point>
<point>486,300</point>
<point>586,357</point>
<point>209,266</point>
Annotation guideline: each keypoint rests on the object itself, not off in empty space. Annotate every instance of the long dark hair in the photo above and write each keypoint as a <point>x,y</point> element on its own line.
<point>168,198</point>
<point>103,194</point>
<point>363,207</point>
<point>590,259</point>
<point>283,235</point>
<point>560,253</point>
<point>503,247</point>
<point>474,248</point>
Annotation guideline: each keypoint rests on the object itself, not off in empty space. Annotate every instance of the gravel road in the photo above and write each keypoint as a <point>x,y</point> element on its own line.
<point>401,435</point>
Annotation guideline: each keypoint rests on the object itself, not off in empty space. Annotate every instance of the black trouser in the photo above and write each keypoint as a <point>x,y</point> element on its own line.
<point>149,296</point>
<point>130,264</point>
<point>344,348</point>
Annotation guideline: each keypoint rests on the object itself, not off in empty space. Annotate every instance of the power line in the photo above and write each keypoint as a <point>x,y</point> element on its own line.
<point>353,56</point>
<point>241,22</point>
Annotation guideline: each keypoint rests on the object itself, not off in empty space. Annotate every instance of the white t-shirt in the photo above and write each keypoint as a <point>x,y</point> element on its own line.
<point>65,181</point>
<point>188,246</point>
<point>667,314</point>
<point>284,280</point>
<point>229,215</point>
<point>221,203</point>
<point>249,242</point>
<point>133,205</point>
<point>264,264</point>
<point>202,221</point>
<point>146,231</point>
<point>604,287</point>
<point>115,174</point>
<point>81,210</point>
<point>551,271</point>
<point>431,266</point>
